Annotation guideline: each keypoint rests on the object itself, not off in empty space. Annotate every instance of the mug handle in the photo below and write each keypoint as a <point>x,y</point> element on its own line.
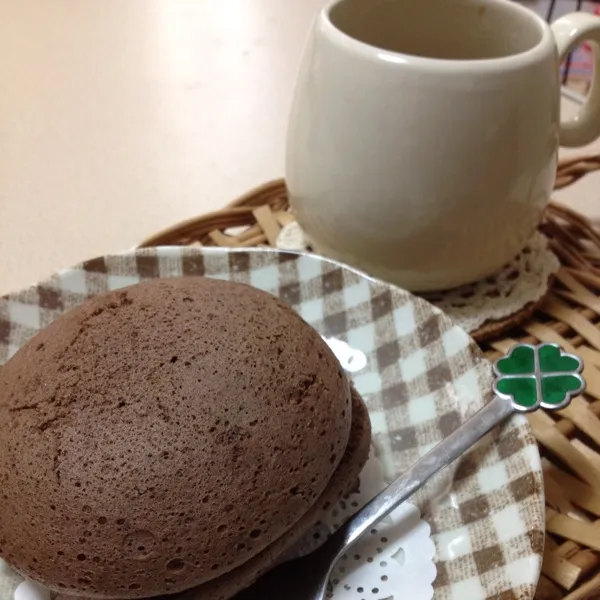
<point>570,31</point>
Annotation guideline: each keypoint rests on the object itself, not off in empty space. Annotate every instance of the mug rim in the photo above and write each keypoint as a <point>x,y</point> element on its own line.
<point>517,60</point>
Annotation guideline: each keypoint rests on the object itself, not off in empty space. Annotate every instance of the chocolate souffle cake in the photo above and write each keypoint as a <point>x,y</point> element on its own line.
<point>177,436</point>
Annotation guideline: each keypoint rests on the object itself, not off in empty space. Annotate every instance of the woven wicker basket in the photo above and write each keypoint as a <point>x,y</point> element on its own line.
<point>569,315</point>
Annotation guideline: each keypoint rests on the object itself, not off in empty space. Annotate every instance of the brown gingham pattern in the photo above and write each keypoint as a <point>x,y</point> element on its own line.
<point>422,377</point>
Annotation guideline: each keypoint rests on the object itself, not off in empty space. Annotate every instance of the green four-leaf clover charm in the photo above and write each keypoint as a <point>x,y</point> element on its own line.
<point>533,376</point>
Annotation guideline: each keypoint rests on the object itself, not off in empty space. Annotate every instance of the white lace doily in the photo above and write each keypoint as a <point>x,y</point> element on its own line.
<point>28,590</point>
<point>521,282</point>
<point>396,556</point>
<point>394,561</point>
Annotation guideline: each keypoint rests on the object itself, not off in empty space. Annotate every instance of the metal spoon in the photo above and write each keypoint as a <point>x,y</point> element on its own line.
<point>528,378</point>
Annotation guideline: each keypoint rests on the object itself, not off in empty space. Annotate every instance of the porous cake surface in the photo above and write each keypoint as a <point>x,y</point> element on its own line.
<point>145,434</point>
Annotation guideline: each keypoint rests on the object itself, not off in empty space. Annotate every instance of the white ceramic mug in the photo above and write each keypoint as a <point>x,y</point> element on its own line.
<point>423,138</point>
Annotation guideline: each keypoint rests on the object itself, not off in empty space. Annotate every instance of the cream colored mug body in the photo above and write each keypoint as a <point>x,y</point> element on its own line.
<point>423,137</point>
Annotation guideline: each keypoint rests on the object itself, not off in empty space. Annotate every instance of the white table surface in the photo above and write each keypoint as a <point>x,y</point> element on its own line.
<point>121,117</point>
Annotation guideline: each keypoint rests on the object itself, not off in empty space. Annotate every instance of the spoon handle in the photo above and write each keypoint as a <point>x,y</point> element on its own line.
<point>527,378</point>
<point>425,468</point>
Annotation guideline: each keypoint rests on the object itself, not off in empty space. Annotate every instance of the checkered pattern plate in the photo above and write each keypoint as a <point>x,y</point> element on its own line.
<point>418,373</point>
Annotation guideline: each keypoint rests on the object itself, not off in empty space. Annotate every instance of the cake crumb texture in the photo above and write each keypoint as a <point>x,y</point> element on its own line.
<point>157,437</point>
